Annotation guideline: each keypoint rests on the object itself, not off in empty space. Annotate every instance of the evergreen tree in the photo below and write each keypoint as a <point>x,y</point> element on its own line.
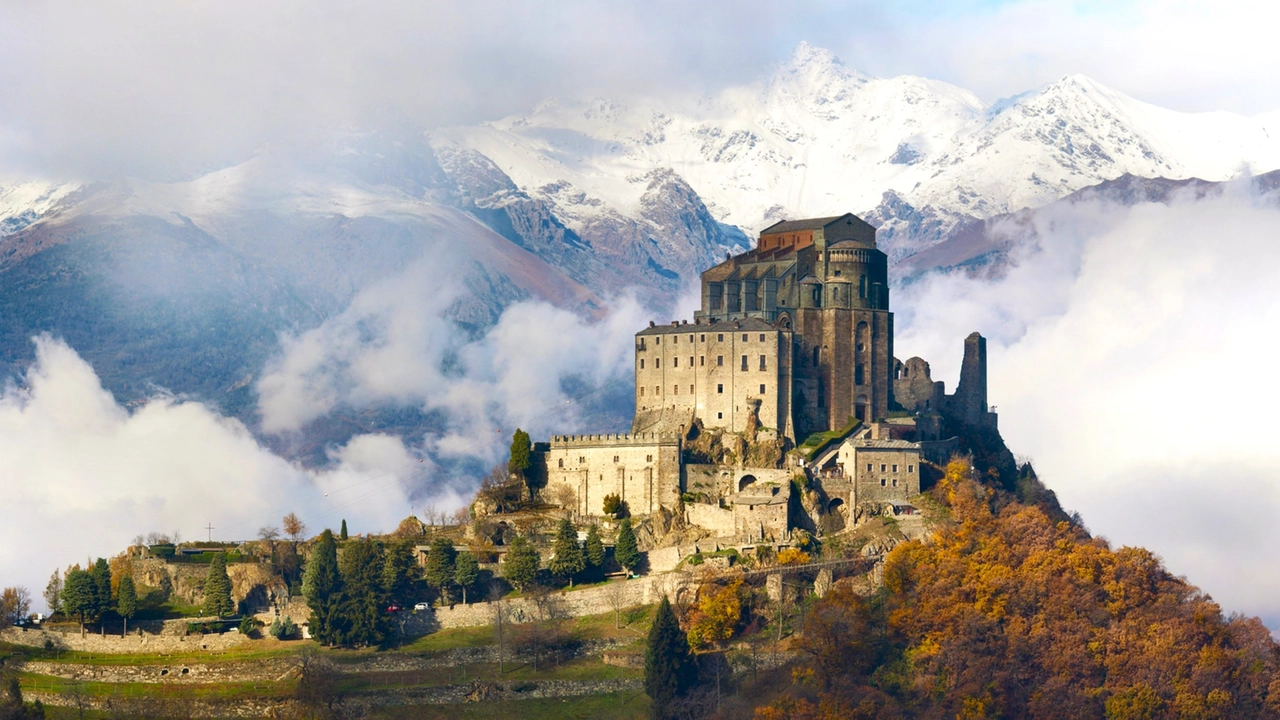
<point>322,587</point>
<point>466,571</point>
<point>625,551</point>
<point>593,551</point>
<point>79,595</point>
<point>101,574</point>
<point>439,567</point>
<point>53,593</point>
<point>217,589</point>
<point>567,560</point>
<point>362,611</point>
<point>398,572</point>
<point>521,447</point>
<point>342,534</point>
<point>522,562</point>
<point>126,601</point>
<point>669,671</point>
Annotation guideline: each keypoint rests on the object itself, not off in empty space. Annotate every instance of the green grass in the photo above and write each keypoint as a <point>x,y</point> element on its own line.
<point>199,691</point>
<point>257,650</point>
<point>819,441</point>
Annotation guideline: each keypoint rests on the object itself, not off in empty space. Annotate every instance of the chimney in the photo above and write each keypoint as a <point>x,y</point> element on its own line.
<point>675,323</point>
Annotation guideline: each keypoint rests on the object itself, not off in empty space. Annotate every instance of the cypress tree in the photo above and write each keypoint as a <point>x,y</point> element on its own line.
<point>342,534</point>
<point>217,589</point>
<point>322,587</point>
<point>567,560</point>
<point>593,550</point>
<point>522,562</point>
<point>439,567</point>
<point>521,446</point>
<point>625,551</point>
<point>466,571</point>
<point>668,668</point>
<point>101,574</point>
<point>362,609</point>
<point>126,601</point>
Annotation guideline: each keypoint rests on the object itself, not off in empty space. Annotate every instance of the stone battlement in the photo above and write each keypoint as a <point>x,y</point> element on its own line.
<point>652,438</point>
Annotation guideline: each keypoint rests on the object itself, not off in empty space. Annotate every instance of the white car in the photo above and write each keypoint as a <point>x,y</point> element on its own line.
<point>421,606</point>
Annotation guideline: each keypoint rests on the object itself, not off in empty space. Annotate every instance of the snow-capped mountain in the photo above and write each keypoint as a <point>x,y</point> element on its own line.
<point>914,156</point>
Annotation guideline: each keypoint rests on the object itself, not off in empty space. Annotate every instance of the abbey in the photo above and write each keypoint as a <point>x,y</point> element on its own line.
<point>794,337</point>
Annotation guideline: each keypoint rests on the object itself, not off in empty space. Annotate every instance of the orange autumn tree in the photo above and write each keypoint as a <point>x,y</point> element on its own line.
<point>1008,613</point>
<point>717,614</point>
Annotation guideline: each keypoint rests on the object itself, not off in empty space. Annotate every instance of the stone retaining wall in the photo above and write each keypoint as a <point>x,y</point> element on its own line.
<point>133,643</point>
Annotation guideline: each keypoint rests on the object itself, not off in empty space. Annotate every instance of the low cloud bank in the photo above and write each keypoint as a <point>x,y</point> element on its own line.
<point>83,475</point>
<point>1132,356</point>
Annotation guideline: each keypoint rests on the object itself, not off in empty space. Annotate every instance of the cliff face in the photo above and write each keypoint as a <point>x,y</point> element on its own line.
<point>255,583</point>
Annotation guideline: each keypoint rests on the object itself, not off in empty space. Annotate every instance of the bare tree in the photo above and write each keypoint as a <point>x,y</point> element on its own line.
<point>615,594</point>
<point>15,604</point>
<point>318,683</point>
<point>461,516</point>
<point>294,528</point>
<point>499,626</point>
<point>269,534</point>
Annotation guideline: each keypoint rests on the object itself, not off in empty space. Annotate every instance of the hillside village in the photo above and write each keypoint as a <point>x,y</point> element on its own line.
<point>778,450</point>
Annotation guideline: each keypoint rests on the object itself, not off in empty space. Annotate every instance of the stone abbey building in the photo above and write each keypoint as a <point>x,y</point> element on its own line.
<point>793,337</point>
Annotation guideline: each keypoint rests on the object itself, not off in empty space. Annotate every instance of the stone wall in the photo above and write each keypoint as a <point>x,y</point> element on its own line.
<point>644,470</point>
<point>132,643</point>
<point>712,517</point>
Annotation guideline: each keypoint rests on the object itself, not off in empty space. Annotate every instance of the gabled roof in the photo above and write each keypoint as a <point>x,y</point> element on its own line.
<point>805,224</point>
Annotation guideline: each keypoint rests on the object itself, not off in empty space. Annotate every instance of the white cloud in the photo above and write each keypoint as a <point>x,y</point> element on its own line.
<point>1134,361</point>
<point>82,476</point>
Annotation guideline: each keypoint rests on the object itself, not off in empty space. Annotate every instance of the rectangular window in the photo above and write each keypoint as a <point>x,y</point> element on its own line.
<point>675,389</point>
<point>719,361</point>
<point>868,467</point>
<point>702,338</point>
<point>690,389</point>
<point>657,362</point>
<point>641,391</point>
<point>690,361</point>
<point>895,468</point>
<point>761,389</point>
<point>761,337</point>
<point>744,362</point>
<point>719,337</point>
<point>657,390</point>
<point>744,338</point>
<point>719,416</point>
<point>691,338</point>
<point>615,458</point>
<point>641,363</point>
<point>702,360</point>
<point>763,364</point>
<point>720,389</point>
<point>675,362</point>
<point>882,466</point>
<point>648,458</point>
<point>657,341</point>
<point>911,468</point>
<point>675,339</point>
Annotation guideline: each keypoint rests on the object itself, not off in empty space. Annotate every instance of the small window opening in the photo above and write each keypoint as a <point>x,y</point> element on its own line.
<point>761,389</point>
<point>719,389</point>
<point>744,362</point>
<point>719,361</point>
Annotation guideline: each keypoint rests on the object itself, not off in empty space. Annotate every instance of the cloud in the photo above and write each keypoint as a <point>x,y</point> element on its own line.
<point>1133,359</point>
<point>539,367</point>
<point>83,475</point>
<point>164,89</point>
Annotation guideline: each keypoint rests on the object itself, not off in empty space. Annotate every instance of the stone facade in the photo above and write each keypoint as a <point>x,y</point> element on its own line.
<point>879,470</point>
<point>824,283</point>
<point>721,374</point>
<point>642,469</point>
<point>917,392</point>
<point>761,512</point>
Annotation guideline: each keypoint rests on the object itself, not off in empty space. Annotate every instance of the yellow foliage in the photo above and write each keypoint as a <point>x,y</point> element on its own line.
<point>792,556</point>
<point>717,614</point>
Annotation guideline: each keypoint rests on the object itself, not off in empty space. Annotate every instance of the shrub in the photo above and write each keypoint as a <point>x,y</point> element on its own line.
<point>248,626</point>
<point>282,629</point>
<point>612,504</point>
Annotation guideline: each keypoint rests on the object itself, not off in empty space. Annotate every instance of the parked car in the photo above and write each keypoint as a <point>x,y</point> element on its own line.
<point>393,608</point>
<point>421,606</point>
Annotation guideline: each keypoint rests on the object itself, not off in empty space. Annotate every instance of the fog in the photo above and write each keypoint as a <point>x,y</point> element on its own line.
<point>1133,360</point>
<point>168,90</point>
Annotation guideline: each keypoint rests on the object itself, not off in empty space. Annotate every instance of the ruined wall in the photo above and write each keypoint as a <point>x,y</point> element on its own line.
<point>913,387</point>
<point>712,517</point>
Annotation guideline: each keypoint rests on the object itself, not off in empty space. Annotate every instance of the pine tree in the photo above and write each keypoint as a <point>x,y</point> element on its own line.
<point>53,593</point>
<point>668,668</point>
<point>342,534</point>
<point>126,601</point>
<point>217,589</point>
<point>466,571</point>
<point>362,609</point>
<point>79,595</point>
<point>567,560</point>
<point>520,567</point>
<point>439,567</point>
<point>625,551</point>
<point>520,449</point>
<point>322,587</point>
<point>398,572</point>
<point>593,551</point>
<point>101,574</point>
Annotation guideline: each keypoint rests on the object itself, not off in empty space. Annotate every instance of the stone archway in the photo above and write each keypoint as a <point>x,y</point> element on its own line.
<point>834,520</point>
<point>744,481</point>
